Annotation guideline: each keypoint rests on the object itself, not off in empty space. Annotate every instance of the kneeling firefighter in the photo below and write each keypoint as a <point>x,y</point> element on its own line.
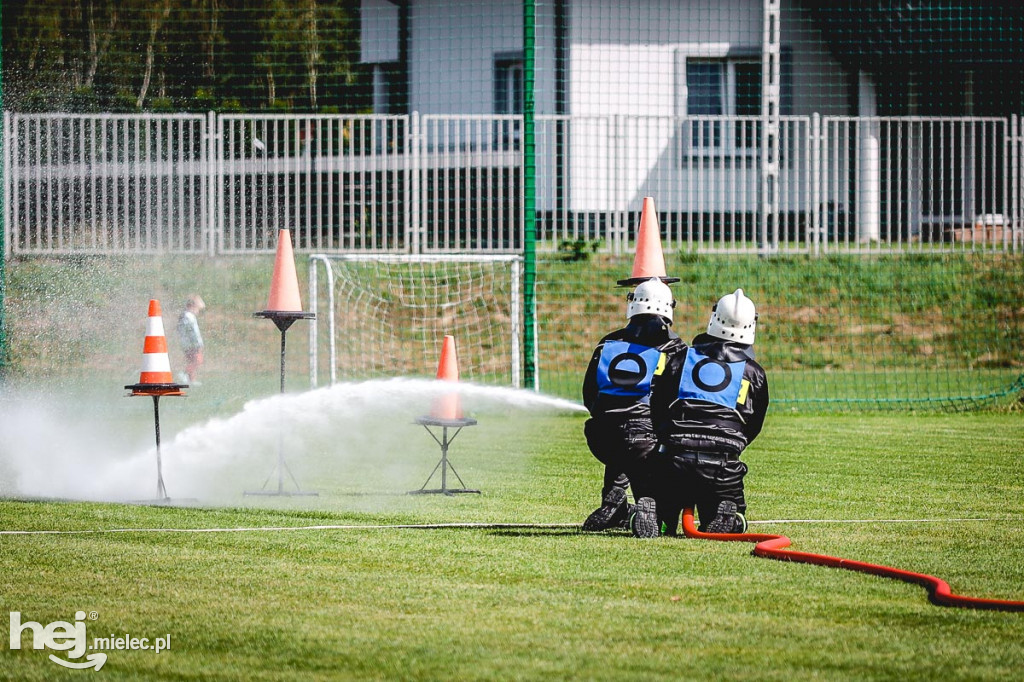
<point>616,391</point>
<point>707,407</point>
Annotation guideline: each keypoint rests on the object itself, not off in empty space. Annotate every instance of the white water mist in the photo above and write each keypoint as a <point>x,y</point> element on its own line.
<point>47,452</point>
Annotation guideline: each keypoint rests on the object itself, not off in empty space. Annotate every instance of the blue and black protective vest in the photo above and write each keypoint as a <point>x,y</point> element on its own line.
<point>712,398</point>
<point>712,380</point>
<point>627,369</point>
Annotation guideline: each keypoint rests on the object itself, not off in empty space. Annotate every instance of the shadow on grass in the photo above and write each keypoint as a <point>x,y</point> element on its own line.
<point>538,532</point>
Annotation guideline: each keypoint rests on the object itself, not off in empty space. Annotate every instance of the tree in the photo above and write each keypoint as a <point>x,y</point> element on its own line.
<point>311,49</point>
<point>157,18</point>
<point>78,55</point>
<point>99,24</point>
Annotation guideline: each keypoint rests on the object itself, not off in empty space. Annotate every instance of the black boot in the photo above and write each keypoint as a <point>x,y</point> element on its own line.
<point>644,521</point>
<point>727,520</point>
<point>610,514</point>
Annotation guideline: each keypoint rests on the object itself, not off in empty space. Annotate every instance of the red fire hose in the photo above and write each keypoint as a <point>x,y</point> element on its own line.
<point>774,547</point>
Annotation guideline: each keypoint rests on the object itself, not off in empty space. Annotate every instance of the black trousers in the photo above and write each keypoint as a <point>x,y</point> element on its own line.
<point>624,448</point>
<point>685,481</point>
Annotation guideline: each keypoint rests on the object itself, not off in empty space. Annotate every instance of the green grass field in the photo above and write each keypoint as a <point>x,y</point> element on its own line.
<point>286,598</point>
<point>544,602</point>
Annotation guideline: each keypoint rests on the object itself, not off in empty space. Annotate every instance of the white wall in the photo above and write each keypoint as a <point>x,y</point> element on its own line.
<point>623,53</point>
<point>452,53</point>
<point>629,58</point>
<point>625,59</point>
<point>378,32</point>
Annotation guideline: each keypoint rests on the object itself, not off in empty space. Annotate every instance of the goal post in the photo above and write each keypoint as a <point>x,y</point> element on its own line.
<point>385,315</point>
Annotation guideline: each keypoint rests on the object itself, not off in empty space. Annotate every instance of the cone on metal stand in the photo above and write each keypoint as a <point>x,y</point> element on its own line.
<point>446,413</point>
<point>156,381</point>
<point>649,261</point>
<point>448,406</point>
<point>284,306</point>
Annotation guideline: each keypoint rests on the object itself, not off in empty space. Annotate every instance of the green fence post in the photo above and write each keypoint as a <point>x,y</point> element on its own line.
<point>3,223</point>
<point>529,201</point>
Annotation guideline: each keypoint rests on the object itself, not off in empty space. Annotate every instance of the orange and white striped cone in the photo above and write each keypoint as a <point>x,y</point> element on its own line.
<point>649,262</point>
<point>155,377</point>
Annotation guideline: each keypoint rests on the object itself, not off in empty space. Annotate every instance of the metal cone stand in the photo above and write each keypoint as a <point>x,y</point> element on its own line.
<point>283,319</point>
<point>156,391</point>
<point>445,464</point>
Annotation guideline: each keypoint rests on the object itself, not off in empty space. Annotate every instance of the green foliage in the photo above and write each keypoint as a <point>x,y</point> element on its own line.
<point>836,333</point>
<point>578,249</point>
<point>161,104</point>
<point>179,54</point>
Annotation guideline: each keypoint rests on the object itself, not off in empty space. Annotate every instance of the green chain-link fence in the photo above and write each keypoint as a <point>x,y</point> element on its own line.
<point>856,167</point>
<point>837,332</point>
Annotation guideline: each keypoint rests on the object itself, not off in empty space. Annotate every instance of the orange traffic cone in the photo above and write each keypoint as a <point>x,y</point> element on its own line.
<point>448,406</point>
<point>156,380</point>
<point>446,413</point>
<point>156,377</point>
<point>284,286</point>
<point>284,305</point>
<point>649,262</point>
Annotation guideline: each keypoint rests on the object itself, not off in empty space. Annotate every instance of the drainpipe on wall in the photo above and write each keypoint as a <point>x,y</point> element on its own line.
<point>869,177</point>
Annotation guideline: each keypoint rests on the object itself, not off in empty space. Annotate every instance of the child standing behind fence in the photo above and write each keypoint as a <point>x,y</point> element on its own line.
<point>191,339</point>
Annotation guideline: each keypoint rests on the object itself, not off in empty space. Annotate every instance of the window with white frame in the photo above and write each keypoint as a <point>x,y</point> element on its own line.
<point>721,93</point>
<point>508,96</point>
<point>508,83</point>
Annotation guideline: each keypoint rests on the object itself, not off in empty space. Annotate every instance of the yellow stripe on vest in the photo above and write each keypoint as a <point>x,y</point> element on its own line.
<point>661,365</point>
<point>742,397</point>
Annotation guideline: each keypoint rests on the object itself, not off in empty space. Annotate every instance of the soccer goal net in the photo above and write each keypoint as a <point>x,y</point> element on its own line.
<point>384,315</point>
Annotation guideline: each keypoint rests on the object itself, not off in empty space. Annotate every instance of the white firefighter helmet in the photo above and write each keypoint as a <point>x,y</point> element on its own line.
<point>733,318</point>
<point>652,297</point>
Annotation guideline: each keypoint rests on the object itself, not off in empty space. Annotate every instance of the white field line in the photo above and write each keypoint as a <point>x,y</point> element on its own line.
<point>273,529</point>
<point>439,526</point>
<point>865,521</point>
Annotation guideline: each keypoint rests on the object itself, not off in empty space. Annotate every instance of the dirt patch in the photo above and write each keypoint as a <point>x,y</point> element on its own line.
<point>805,315</point>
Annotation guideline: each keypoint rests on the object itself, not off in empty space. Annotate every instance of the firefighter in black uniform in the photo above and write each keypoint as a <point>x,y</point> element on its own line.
<point>616,391</point>
<point>708,406</point>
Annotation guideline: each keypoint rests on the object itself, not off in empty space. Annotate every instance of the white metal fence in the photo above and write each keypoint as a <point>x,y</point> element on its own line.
<point>107,183</point>
<point>440,184</point>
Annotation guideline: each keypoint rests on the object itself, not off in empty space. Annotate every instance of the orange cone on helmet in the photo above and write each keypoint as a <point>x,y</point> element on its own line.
<point>649,261</point>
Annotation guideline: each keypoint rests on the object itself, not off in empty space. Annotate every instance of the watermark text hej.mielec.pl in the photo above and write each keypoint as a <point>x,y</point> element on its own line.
<point>129,643</point>
<point>71,637</point>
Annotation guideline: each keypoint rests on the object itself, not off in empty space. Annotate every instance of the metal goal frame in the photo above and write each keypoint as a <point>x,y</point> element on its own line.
<point>324,261</point>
